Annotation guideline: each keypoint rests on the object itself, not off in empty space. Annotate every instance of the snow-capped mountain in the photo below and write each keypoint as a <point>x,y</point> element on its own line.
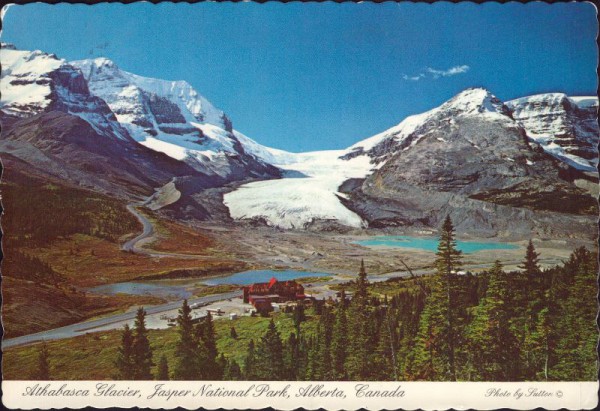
<point>476,101</point>
<point>468,154</point>
<point>482,160</point>
<point>565,127</point>
<point>172,118</point>
<point>33,82</point>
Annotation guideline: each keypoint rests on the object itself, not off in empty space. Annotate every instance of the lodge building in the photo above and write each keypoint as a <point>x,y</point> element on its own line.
<point>261,295</point>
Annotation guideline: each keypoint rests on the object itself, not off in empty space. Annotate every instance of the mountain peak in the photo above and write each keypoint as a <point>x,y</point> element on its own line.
<point>475,100</point>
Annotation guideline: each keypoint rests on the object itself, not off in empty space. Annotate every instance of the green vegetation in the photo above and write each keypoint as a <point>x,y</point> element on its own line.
<point>533,324</point>
<point>30,222</point>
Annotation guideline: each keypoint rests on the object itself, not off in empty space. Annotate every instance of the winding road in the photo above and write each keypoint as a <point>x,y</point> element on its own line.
<point>147,231</point>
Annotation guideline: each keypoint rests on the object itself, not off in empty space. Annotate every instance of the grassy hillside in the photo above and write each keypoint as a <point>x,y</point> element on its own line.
<point>59,239</point>
<point>92,356</point>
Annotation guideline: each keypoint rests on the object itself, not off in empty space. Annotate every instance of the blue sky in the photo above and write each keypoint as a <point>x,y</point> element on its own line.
<point>323,76</point>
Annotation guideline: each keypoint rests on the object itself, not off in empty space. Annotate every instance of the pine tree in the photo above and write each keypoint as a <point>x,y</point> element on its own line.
<point>233,333</point>
<point>433,355</point>
<point>339,342</point>
<point>299,317</point>
<point>357,362</point>
<point>291,357</point>
<point>447,263</point>
<point>269,355</point>
<point>531,263</point>
<point>141,351</point>
<point>163,369</point>
<point>384,357</point>
<point>532,300</point>
<point>124,361</point>
<point>325,373</point>
<point>576,347</point>
<point>188,356</point>
<point>492,345</point>
<point>43,366</point>
<point>206,340</point>
<point>219,372</point>
<point>250,372</point>
<point>232,371</point>
<point>206,333</point>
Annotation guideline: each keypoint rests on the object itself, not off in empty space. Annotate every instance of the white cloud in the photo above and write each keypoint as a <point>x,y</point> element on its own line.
<point>452,71</point>
<point>413,78</point>
<point>436,73</point>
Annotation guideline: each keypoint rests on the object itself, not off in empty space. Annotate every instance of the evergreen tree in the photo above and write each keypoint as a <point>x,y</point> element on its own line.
<point>206,340</point>
<point>250,372</point>
<point>219,372</point>
<point>142,353</point>
<point>325,373</point>
<point>124,361</point>
<point>269,355</point>
<point>163,369</point>
<point>530,265</point>
<point>43,366</point>
<point>492,345</point>
<point>339,341</point>
<point>532,300</point>
<point>206,334</point>
<point>188,355</point>
<point>433,355</point>
<point>232,371</point>
<point>577,328</point>
<point>292,357</point>
<point>447,263</point>
<point>384,357</point>
<point>357,362</point>
<point>233,333</point>
<point>299,317</point>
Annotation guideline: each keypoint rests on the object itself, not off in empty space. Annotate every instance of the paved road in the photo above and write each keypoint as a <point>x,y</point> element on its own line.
<point>148,230</point>
<point>74,330</point>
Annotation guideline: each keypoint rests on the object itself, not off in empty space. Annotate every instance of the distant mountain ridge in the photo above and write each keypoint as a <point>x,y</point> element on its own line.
<point>85,119</point>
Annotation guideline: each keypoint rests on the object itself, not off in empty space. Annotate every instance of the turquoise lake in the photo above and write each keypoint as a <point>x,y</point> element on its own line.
<point>431,244</point>
<point>180,289</point>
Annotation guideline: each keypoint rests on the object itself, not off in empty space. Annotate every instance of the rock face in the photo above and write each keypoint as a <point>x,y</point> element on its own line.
<point>55,126</point>
<point>470,159</point>
<point>565,127</point>
<point>497,168</point>
<point>172,118</point>
<point>96,126</point>
<point>34,82</point>
<point>65,146</point>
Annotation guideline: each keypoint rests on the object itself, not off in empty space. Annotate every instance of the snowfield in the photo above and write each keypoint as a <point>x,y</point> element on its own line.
<point>296,202</point>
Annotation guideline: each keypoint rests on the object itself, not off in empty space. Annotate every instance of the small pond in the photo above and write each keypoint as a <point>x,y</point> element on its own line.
<point>431,244</point>
<point>180,289</point>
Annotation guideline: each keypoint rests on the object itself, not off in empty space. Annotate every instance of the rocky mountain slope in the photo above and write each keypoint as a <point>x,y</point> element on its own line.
<point>495,167</point>
<point>468,157</point>
<point>90,123</point>
<point>565,127</point>
<point>172,118</point>
<point>54,125</point>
